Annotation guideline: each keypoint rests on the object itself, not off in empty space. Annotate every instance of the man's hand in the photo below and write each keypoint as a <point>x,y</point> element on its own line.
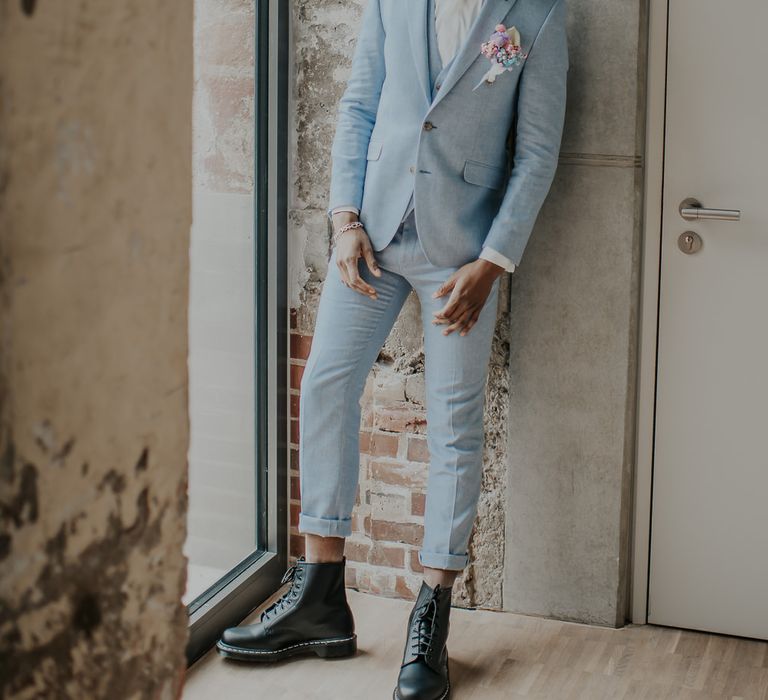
<point>350,247</point>
<point>470,286</point>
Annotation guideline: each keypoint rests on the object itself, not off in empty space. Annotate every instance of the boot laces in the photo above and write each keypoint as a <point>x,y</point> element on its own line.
<point>294,575</point>
<point>425,626</point>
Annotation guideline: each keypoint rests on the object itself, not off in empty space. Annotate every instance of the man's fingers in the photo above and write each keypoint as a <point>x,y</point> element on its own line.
<point>355,281</point>
<point>370,260</point>
<point>458,323</point>
<point>455,314</point>
<point>450,310</point>
<point>342,271</point>
<point>472,321</point>
<point>445,287</point>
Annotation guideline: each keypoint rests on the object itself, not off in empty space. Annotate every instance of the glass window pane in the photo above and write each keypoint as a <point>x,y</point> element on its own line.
<point>222,525</point>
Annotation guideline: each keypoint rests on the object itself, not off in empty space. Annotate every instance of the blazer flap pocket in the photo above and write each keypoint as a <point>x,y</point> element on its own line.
<point>484,174</point>
<point>374,150</point>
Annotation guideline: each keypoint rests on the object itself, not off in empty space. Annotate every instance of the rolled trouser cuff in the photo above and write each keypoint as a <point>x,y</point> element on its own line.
<point>438,560</point>
<point>324,527</point>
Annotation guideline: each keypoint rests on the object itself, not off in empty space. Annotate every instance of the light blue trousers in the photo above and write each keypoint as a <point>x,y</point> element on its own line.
<point>350,330</point>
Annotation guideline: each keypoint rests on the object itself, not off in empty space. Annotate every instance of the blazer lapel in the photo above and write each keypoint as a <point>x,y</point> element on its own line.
<point>417,29</point>
<point>491,14</point>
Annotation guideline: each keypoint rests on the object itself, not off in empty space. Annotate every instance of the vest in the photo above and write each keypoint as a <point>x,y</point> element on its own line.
<point>437,71</point>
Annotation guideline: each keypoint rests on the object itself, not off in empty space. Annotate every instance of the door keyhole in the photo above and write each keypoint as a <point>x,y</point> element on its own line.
<point>690,242</point>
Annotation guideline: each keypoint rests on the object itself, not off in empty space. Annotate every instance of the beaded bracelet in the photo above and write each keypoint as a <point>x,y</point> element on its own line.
<point>346,227</point>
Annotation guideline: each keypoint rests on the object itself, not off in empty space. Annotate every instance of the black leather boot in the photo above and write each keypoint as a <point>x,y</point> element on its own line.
<point>312,617</point>
<point>424,672</point>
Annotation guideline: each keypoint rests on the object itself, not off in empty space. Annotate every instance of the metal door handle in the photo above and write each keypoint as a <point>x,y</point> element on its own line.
<point>691,210</point>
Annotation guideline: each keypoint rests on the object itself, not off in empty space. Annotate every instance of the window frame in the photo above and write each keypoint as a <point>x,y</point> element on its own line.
<point>251,582</point>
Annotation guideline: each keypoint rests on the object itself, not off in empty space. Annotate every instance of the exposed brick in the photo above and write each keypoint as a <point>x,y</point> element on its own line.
<point>418,502</point>
<point>418,451</point>
<point>297,545</point>
<point>294,316</point>
<point>296,372</point>
<point>356,522</point>
<point>366,420</point>
<point>300,346</point>
<point>386,505</point>
<point>382,555</point>
<point>295,431</point>
<point>384,444</point>
<point>415,564</point>
<point>406,587</point>
<point>294,508</point>
<point>294,405</point>
<point>295,488</point>
<point>381,583</point>
<point>357,551</point>
<point>408,533</point>
<point>402,418</point>
<point>398,474</point>
<point>367,525</point>
<point>365,441</point>
<point>295,459</point>
<point>350,576</point>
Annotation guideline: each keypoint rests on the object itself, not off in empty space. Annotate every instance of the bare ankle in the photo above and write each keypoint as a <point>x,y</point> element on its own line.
<point>323,550</point>
<point>445,577</point>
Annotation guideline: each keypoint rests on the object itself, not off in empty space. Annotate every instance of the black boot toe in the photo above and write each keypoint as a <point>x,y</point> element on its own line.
<point>419,682</point>
<point>311,617</point>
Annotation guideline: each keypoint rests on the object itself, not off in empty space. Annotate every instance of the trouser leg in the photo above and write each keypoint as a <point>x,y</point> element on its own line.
<point>456,371</point>
<point>349,331</point>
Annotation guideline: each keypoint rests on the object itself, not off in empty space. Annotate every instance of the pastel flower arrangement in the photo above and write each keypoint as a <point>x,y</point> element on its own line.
<point>503,50</point>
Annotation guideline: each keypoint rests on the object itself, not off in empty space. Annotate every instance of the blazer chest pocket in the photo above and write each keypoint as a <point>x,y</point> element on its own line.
<point>484,174</point>
<point>374,150</point>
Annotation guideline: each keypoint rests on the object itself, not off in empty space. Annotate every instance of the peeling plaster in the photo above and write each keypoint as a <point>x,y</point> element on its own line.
<point>95,211</point>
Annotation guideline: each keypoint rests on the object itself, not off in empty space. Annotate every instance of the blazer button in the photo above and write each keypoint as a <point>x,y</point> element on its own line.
<point>428,126</point>
<point>412,169</point>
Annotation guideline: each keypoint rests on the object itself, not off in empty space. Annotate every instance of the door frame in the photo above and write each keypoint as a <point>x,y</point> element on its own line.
<point>650,275</point>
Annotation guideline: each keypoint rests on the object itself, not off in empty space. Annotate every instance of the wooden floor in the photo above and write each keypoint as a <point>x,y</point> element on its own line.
<point>497,656</point>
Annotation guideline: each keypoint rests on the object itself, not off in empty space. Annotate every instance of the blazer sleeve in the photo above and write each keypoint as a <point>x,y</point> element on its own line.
<point>357,112</point>
<point>540,117</point>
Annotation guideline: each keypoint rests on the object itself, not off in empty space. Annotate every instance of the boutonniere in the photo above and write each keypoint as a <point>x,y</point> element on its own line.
<point>503,51</point>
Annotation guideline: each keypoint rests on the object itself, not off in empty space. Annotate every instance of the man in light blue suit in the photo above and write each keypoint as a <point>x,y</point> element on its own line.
<point>446,145</point>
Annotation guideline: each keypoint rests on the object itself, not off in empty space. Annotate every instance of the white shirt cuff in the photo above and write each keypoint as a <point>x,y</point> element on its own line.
<point>345,207</point>
<point>488,253</point>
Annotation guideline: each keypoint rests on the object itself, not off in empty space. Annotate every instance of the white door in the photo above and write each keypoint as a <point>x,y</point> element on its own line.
<point>709,528</point>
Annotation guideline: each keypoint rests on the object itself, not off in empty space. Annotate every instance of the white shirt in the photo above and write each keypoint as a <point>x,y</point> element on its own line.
<point>453,18</point>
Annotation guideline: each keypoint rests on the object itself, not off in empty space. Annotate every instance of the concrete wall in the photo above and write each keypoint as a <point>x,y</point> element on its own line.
<point>95,210</point>
<point>572,337</point>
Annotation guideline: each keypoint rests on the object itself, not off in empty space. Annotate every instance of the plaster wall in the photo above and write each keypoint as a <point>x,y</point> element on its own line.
<point>95,210</point>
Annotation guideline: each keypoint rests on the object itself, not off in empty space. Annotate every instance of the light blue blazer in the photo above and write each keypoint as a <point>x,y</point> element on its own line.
<point>479,158</point>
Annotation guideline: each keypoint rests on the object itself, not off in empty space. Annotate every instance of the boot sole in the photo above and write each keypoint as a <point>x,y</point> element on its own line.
<point>324,648</point>
<point>445,695</point>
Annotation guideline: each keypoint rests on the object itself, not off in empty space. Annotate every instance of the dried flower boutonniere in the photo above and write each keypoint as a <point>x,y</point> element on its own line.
<point>504,52</point>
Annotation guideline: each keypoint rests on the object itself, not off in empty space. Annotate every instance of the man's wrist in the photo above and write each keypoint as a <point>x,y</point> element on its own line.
<point>491,267</point>
<point>340,218</point>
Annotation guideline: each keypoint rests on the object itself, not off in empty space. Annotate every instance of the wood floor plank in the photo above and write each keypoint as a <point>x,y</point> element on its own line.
<point>502,656</point>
